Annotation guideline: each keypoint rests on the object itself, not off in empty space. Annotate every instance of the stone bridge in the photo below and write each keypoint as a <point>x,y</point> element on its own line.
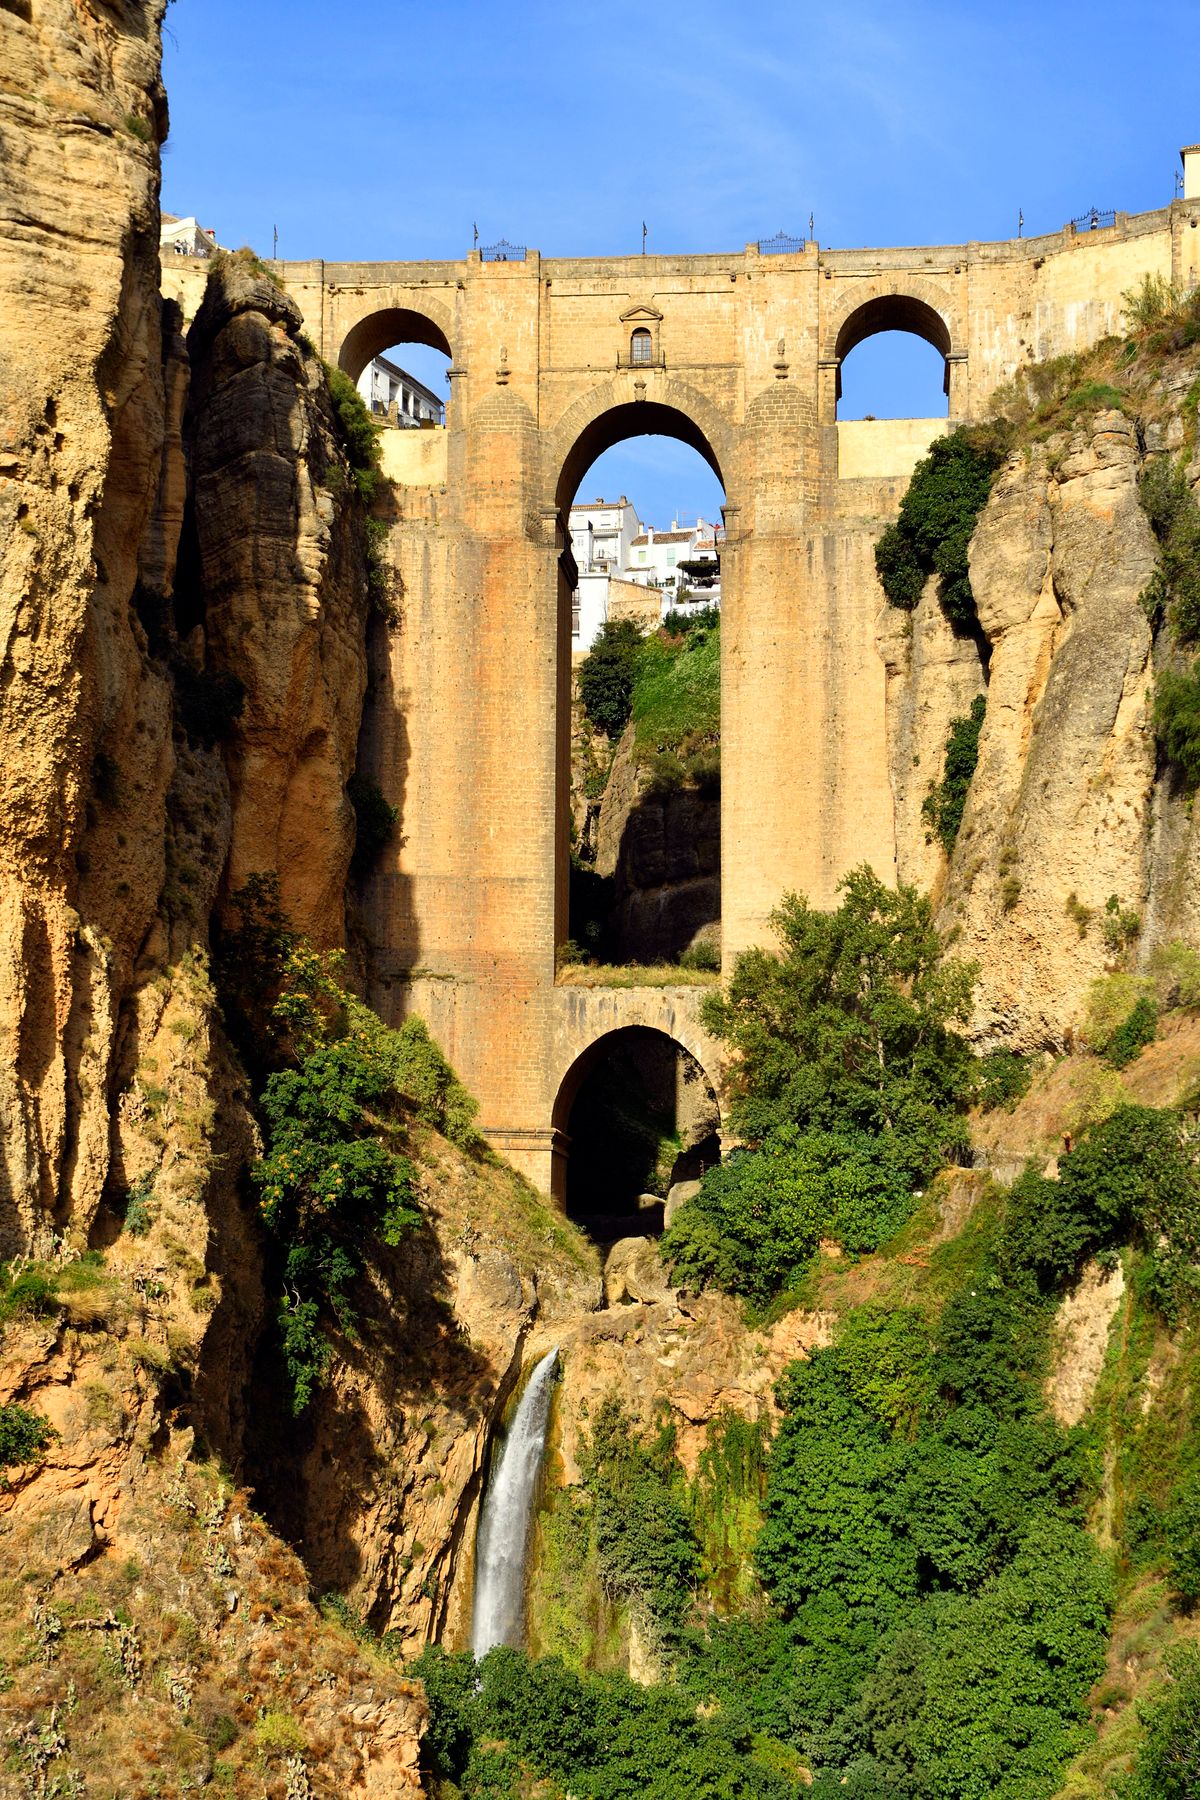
<point>468,729</point>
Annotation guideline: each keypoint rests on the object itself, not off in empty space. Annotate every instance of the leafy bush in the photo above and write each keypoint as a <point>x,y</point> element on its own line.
<point>1004,1077</point>
<point>1110,1001</point>
<point>138,1217</point>
<point>753,1227</point>
<point>848,1081</point>
<point>1132,1035</point>
<point>340,1089</point>
<point>29,1294</point>
<point>1177,720</point>
<point>511,1726</point>
<point>939,512</point>
<point>703,956</point>
<point>1168,1761</point>
<point>606,676</point>
<point>851,1027</point>
<point>24,1435</point>
<point>1175,969</point>
<point>359,431</point>
<point>645,1543</point>
<point>1170,506</point>
<point>944,804</point>
<point>375,821</point>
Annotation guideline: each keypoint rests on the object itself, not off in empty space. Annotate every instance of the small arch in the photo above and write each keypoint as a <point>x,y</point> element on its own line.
<point>379,330</point>
<point>635,1112</point>
<point>894,312</point>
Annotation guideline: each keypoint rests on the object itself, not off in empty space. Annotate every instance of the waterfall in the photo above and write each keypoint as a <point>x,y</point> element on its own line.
<point>498,1616</point>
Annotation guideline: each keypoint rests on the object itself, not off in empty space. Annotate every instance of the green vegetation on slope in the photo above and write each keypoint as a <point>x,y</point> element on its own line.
<point>849,1084</point>
<point>338,1091</point>
<point>941,506</point>
<point>669,684</point>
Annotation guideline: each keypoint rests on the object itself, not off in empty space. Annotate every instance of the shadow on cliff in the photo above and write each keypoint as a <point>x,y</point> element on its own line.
<point>665,891</point>
<point>349,1458</point>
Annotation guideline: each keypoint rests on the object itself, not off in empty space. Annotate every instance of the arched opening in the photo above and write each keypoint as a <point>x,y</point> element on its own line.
<point>637,1114</point>
<point>399,361</point>
<point>892,361</point>
<point>640,500</point>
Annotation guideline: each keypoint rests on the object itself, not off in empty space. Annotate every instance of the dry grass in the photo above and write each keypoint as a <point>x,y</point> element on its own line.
<point>634,975</point>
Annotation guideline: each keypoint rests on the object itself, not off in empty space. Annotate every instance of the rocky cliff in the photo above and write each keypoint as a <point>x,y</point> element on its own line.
<point>1071,817</point>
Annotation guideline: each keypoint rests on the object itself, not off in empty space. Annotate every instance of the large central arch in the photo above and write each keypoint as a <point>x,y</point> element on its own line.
<point>610,416</point>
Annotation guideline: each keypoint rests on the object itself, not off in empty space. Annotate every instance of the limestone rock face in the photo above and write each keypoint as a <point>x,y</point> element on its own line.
<point>664,851</point>
<point>278,560</point>
<point>1062,806</point>
<point>83,718</point>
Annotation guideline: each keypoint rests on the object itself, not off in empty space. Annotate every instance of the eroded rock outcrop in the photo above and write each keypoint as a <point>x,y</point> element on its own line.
<point>1066,807</point>
<point>662,848</point>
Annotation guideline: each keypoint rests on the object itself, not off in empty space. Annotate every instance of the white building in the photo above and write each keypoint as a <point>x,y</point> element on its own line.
<point>395,395</point>
<point>601,534</point>
<point>615,558</point>
<point>185,237</point>
<point>683,563</point>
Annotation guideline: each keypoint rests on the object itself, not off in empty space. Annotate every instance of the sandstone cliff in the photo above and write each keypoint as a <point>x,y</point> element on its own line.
<point>1068,807</point>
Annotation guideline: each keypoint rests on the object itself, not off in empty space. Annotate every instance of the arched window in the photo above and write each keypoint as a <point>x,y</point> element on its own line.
<point>641,346</point>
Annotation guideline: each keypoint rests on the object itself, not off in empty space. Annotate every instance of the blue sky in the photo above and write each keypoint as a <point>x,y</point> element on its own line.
<point>389,130</point>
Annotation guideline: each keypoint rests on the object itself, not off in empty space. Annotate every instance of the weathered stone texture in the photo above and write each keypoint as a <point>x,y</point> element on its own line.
<point>469,728</point>
<point>1061,801</point>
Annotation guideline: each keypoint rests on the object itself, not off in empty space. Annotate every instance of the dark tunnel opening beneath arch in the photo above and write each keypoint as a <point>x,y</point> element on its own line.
<point>640,1118</point>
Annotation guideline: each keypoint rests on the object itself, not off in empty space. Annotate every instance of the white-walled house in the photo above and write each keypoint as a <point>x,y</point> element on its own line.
<point>666,560</point>
<point>185,237</point>
<point>398,397</point>
<point>601,533</point>
<point>616,558</point>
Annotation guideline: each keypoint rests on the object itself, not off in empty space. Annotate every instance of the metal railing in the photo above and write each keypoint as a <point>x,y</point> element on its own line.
<point>1096,218</point>
<point>502,251</point>
<point>782,244</point>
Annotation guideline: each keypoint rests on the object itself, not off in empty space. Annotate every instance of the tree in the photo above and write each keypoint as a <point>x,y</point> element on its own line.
<point>850,1028</point>
<point>606,676</point>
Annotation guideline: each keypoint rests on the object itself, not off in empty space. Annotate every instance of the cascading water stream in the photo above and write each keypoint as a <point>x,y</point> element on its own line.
<point>500,1549</point>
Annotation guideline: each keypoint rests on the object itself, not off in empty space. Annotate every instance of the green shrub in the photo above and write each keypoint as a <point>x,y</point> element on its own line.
<point>646,1547</point>
<point>851,1026</point>
<point>1177,720</point>
<point>1110,1000</point>
<point>939,512</point>
<point>943,806</point>
<point>665,774</point>
<point>1120,926</point>
<point>1170,506</point>
<point>704,771</point>
<point>359,431</point>
<point>382,580</point>
<point>1138,1029</point>
<point>137,1216</point>
<point>1175,970</point>
<point>606,676</point>
<point>1004,1077</point>
<point>24,1435</point>
<point>374,820</point>
<point>1168,1759</point>
<point>759,1216</point>
<point>29,1294</point>
<point>703,955</point>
